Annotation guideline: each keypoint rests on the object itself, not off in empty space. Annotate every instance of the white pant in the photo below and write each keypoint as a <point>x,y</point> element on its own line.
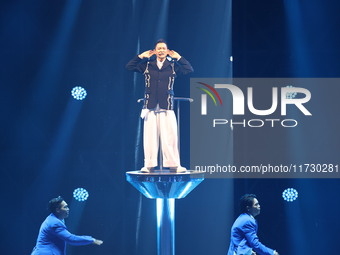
<point>160,125</point>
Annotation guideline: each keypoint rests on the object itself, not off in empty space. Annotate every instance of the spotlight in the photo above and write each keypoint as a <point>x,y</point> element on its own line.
<point>78,93</point>
<point>80,194</point>
<point>290,194</point>
<point>290,95</point>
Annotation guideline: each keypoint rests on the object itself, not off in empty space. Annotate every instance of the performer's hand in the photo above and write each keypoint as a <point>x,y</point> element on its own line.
<point>253,253</point>
<point>276,253</point>
<point>174,54</point>
<point>146,54</point>
<point>97,242</point>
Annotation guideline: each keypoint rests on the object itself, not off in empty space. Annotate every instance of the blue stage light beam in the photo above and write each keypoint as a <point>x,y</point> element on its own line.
<point>79,93</point>
<point>302,65</point>
<point>80,194</point>
<point>162,23</point>
<point>57,52</point>
<point>290,194</point>
<point>46,86</point>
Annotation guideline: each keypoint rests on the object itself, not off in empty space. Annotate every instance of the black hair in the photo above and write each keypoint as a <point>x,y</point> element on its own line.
<point>160,41</point>
<point>246,200</point>
<point>54,204</point>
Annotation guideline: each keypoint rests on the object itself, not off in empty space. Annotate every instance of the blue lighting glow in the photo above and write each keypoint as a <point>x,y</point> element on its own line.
<point>78,93</point>
<point>80,194</point>
<point>290,194</point>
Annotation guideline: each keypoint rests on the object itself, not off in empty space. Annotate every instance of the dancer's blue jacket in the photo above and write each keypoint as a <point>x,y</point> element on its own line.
<point>244,237</point>
<point>53,236</point>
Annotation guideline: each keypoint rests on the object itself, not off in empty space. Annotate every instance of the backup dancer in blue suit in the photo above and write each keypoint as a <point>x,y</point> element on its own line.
<point>244,240</point>
<point>53,234</point>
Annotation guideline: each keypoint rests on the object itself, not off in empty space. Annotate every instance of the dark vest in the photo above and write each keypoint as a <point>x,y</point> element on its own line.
<point>159,84</point>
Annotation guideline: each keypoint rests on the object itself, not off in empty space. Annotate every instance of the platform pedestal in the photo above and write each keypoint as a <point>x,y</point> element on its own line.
<point>165,187</point>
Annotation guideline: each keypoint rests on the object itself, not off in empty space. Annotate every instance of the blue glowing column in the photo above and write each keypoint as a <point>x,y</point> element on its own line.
<point>165,187</point>
<point>165,226</point>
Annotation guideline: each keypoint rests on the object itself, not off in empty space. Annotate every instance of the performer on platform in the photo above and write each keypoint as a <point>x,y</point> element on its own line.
<point>159,118</point>
<point>244,240</point>
<point>53,234</point>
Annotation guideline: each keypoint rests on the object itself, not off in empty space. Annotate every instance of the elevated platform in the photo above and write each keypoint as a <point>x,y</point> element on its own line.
<point>165,184</point>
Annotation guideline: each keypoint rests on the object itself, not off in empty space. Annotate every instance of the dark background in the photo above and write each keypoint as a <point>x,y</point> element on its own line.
<point>52,144</point>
